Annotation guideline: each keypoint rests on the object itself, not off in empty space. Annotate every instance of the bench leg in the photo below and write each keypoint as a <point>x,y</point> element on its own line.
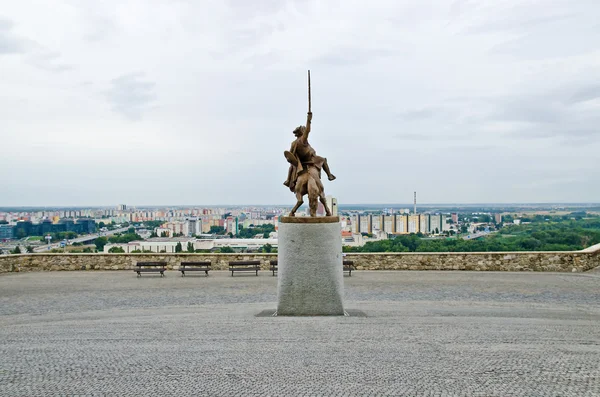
<point>182,273</point>
<point>206,272</point>
<point>232,273</point>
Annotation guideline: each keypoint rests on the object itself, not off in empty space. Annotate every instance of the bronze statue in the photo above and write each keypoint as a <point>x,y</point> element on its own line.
<point>304,174</point>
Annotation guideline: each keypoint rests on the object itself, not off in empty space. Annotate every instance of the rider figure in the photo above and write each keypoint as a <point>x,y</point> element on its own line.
<point>302,155</point>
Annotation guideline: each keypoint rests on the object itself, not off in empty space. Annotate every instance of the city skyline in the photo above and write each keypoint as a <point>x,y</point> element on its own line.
<point>342,206</point>
<point>176,101</point>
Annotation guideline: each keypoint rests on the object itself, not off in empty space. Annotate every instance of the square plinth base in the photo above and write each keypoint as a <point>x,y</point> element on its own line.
<point>310,274</point>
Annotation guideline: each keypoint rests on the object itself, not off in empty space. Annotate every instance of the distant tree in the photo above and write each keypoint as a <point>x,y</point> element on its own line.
<point>267,248</point>
<point>100,243</point>
<point>116,250</point>
<point>131,230</point>
<point>124,238</point>
<point>178,247</point>
<point>17,250</point>
<point>101,225</point>
<point>437,231</point>
<point>230,235</point>
<point>217,230</point>
<point>190,247</point>
<point>164,234</point>
<point>226,250</point>
<point>153,234</point>
<point>29,249</point>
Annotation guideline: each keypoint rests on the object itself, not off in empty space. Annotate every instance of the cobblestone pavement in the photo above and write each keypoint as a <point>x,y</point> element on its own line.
<point>426,334</point>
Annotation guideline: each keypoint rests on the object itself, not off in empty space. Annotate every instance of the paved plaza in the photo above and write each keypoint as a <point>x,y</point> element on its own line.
<point>424,334</point>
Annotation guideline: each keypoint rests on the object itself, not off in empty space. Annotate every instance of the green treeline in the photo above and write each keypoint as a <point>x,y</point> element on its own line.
<point>252,231</point>
<point>543,234</point>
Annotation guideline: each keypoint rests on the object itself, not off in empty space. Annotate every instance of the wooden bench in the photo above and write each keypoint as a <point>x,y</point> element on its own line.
<point>194,267</point>
<point>151,267</point>
<point>273,267</point>
<point>348,267</point>
<point>244,266</point>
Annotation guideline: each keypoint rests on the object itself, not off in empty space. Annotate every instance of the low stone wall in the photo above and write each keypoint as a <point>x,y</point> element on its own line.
<point>481,261</point>
<point>44,262</point>
<point>578,261</point>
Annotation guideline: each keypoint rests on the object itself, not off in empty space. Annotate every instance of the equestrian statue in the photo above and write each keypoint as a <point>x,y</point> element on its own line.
<point>304,174</point>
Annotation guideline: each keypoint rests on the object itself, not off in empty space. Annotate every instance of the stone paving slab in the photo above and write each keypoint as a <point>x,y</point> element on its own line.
<point>425,334</point>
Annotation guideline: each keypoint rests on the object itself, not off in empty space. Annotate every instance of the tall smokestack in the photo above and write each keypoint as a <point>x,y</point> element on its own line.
<point>415,203</point>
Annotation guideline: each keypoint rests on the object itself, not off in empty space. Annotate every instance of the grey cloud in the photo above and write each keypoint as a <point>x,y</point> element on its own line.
<point>9,42</point>
<point>411,136</point>
<point>250,9</point>
<point>36,54</point>
<point>99,27</point>
<point>352,56</point>
<point>49,61</point>
<point>524,21</point>
<point>585,94</point>
<point>548,116</point>
<point>420,114</point>
<point>528,110</point>
<point>131,95</point>
<point>529,47</point>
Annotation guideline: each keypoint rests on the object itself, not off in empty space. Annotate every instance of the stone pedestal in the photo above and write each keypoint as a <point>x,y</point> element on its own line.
<point>310,279</point>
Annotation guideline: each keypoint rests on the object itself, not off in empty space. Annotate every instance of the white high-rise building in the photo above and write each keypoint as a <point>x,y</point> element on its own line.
<point>332,205</point>
<point>435,222</point>
<point>193,227</point>
<point>389,224</point>
<point>424,223</point>
<point>401,224</point>
<point>376,224</point>
<point>413,223</point>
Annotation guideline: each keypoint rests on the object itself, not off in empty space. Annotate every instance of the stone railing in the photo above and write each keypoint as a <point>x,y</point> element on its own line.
<point>565,261</point>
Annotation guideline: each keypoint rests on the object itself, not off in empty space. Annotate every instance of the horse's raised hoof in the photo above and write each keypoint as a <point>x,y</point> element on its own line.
<point>331,177</point>
<point>291,214</point>
<point>286,183</point>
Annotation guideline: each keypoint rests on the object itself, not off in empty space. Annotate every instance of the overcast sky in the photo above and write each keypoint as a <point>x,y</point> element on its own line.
<point>194,102</point>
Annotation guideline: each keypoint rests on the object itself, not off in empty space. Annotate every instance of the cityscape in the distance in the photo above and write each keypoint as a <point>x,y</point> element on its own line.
<point>137,229</point>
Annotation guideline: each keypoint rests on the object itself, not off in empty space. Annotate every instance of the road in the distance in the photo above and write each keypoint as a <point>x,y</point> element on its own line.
<point>81,239</point>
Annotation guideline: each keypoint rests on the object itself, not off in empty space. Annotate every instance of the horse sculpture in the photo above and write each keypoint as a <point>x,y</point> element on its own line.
<point>308,182</point>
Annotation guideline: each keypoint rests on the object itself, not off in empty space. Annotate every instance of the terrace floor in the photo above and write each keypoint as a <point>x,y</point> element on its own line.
<point>425,334</point>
